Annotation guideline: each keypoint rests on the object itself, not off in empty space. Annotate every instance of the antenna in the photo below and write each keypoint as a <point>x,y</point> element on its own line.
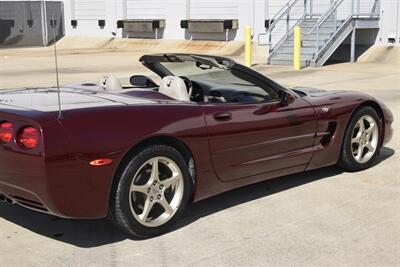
<point>53,26</point>
<point>60,116</point>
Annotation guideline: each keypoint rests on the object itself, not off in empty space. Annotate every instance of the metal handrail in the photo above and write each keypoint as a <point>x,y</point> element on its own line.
<point>320,51</point>
<point>275,20</point>
<point>332,21</point>
<point>287,35</point>
<point>323,19</point>
<point>334,7</point>
<point>283,14</point>
<point>286,9</point>
<point>326,15</point>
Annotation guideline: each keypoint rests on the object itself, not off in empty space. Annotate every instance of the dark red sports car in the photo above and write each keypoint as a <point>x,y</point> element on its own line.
<point>140,154</point>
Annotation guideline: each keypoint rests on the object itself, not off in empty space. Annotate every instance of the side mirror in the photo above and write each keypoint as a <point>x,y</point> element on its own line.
<point>286,98</point>
<point>142,81</point>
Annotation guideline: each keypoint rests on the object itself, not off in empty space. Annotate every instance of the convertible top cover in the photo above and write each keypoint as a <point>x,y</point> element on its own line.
<point>214,61</point>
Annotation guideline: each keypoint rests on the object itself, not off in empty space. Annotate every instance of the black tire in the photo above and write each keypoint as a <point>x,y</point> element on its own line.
<point>346,160</point>
<point>119,209</point>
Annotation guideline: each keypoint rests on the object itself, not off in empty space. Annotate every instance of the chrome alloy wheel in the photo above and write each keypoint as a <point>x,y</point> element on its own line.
<point>365,137</point>
<point>156,192</point>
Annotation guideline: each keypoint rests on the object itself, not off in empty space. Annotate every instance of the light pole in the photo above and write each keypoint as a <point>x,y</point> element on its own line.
<point>45,42</point>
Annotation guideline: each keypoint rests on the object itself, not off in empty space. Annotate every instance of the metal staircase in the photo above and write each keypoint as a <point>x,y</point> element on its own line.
<point>322,33</point>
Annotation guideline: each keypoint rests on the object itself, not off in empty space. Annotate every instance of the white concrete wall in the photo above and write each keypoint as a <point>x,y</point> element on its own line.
<point>148,9</point>
<point>211,9</point>
<point>390,21</point>
<point>87,13</point>
<point>249,12</point>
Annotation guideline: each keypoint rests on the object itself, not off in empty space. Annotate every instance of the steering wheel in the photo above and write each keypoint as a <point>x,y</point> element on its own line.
<point>216,97</point>
<point>188,84</point>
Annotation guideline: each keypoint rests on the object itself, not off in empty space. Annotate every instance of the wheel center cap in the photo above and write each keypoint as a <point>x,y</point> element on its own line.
<point>364,138</point>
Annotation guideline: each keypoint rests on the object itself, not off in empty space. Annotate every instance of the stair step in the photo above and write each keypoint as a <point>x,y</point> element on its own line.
<point>323,25</point>
<point>310,25</point>
<point>321,32</point>
<point>314,36</point>
<point>312,41</point>
<point>290,57</point>
<point>304,50</point>
<point>303,63</point>
<point>290,45</point>
<point>322,29</point>
<point>312,19</point>
<point>307,42</point>
<point>283,55</point>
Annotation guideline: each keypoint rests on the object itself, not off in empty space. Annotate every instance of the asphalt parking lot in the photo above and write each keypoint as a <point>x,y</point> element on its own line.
<point>320,218</point>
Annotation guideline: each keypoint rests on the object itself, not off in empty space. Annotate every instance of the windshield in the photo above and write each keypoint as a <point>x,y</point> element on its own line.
<point>197,71</point>
<point>212,79</point>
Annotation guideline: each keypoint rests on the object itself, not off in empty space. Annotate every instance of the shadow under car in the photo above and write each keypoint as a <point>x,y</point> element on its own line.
<point>93,233</point>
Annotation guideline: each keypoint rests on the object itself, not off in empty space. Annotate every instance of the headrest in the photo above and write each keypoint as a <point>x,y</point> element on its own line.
<point>174,87</point>
<point>110,83</point>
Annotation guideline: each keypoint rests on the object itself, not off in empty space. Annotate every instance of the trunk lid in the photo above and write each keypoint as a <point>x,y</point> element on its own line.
<point>46,99</point>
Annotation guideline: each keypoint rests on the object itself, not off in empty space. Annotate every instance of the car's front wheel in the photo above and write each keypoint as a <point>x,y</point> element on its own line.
<point>361,141</point>
<point>151,192</point>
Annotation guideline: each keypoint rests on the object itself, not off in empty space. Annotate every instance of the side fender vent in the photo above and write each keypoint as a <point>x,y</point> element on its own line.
<point>330,131</point>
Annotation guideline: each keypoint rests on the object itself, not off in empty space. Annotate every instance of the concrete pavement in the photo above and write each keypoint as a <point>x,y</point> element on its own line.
<point>319,218</point>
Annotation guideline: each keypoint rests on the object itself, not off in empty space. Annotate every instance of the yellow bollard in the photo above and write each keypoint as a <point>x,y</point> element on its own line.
<point>247,47</point>
<point>297,48</point>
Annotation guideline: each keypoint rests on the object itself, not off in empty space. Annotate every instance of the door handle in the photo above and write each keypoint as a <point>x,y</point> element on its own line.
<point>222,116</point>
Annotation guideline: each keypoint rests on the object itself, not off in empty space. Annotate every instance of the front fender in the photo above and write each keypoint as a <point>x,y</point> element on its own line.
<point>334,108</point>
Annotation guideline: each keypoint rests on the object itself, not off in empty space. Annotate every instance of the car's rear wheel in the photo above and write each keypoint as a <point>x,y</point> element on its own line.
<point>361,141</point>
<point>151,192</point>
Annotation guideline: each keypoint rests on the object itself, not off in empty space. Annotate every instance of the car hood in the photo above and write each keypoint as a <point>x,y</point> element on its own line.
<point>320,97</point>
<point>308,91</point>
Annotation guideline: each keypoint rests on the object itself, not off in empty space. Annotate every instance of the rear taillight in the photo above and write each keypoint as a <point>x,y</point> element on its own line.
<point>6,132</point>
<point>28,137</point>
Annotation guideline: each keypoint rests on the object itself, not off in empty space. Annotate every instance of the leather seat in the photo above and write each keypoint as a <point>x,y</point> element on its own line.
<point>110,83</point>
<point>175,88</point>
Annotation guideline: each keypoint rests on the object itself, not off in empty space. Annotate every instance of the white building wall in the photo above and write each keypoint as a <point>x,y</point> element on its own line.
<point>88,13</point>
<point>175,11</point>
<point>211,9</point>
<point>249,12</point>
<point>146,9</point>
<point>390,21</point>
<point>89,10</point>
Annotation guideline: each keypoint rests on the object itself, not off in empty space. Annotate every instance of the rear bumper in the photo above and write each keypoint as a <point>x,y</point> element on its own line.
<point>64,187</point>
<point>22,179</point>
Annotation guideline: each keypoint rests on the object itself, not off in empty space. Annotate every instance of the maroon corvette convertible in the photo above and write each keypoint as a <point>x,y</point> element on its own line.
<point>140,154</point>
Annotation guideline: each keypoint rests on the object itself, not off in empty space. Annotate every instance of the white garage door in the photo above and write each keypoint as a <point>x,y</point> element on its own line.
<point>145,9</point>
<point>89,9</point>
<point>214,9</point>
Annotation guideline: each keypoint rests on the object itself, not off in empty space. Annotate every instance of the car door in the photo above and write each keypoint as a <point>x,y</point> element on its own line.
<point>255,138</point>
<point>251,131</point>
